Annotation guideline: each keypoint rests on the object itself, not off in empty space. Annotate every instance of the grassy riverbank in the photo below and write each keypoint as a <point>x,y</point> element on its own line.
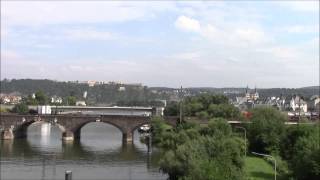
<point>258,169</point>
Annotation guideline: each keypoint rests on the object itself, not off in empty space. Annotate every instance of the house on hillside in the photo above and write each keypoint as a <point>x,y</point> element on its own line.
<point>298,104</point>
<point>315,102</point>
<point>81,103</point>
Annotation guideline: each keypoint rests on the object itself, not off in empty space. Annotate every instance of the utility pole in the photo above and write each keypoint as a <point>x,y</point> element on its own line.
<point>180,104</point>
<point>299,110</point>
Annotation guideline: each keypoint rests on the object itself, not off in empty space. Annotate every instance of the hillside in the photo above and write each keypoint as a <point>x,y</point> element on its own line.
<point>110,94</point>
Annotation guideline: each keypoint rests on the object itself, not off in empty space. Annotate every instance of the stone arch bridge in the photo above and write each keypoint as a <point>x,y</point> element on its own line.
<point>15,126</point>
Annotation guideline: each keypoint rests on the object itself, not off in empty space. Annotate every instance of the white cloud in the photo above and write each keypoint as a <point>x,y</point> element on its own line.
<point>7,55</point>
<point>187,24</point>
<point>303,6</point>
<point>288,53</point>
<point>88,34</point>
<point>236,46</point>
<point>301,29</point>
<point>187,56</point>
<point>50,12</point>
<point>242,35</point>
<point>250,35</point>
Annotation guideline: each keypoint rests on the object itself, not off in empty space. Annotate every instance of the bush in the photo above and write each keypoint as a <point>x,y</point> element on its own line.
<point>21,108</point>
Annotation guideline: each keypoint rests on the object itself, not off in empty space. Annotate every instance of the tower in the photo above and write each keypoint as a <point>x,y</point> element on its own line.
<point>247,93</point>
<point>256,94</point>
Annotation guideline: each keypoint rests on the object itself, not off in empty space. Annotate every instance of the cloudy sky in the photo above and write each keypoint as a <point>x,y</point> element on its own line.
<point>211,44</point>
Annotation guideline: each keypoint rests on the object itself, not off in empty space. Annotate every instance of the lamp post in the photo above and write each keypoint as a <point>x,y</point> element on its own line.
<point>245,139</point>
<point>275,162</point>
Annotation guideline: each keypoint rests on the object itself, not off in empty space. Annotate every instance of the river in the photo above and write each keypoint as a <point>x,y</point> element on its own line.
<point>99,154</point>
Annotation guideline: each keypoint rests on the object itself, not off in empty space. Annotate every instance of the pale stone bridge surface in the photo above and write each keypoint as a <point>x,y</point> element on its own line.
<point>15,126</point>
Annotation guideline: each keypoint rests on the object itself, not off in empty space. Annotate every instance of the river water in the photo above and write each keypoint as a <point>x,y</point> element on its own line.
<point>99,154</point>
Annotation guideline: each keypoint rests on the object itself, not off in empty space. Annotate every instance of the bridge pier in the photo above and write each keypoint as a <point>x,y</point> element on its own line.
<point>68,136</point>
<point>7,134</point>
<point>127,137</point>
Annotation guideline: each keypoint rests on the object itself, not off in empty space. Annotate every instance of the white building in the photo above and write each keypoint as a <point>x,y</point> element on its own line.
<point>56,99</point>
<point>44,109</point>
<point>81,103</point>
<point>122,88</point>
<point>297,104</point>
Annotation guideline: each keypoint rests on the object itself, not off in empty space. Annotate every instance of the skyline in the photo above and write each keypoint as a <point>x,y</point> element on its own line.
<point>193,44</point>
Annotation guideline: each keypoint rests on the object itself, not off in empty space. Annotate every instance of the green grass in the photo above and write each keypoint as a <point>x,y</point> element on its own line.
<point>258,169</point>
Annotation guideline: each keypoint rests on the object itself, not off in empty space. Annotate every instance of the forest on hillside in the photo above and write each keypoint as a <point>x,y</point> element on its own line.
<point>104,94</point>
<point>109,94</point>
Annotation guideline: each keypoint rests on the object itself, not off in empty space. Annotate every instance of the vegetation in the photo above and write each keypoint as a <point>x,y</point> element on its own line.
<point>3,110</point>
<point>258,169</point>
<point>304,152</point>
<point>105,94</point>
<point>266,130</point>
<point>193,152</point>
<point>71,100</point>
<point>214,152</point>
<point>109,94</point>
<point>21,108</point>
<point>296,148</point>
<point>205,106</point>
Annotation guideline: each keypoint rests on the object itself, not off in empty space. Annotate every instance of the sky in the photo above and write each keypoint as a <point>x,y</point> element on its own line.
<point>163,43</point>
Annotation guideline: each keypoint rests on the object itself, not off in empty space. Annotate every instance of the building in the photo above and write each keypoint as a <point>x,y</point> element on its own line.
<point>81,103</point>
<point>252,96</point>
<point>298,104</point>
<point>248,100</point>
<point>44,109</point>
<point>316,103</point>
<point>12,98</point>
<point>57,100</point>
<point>122,88</point>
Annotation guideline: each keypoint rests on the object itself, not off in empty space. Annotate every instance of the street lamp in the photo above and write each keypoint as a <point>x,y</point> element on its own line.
<point>275,162</point>
<point>245,139</point>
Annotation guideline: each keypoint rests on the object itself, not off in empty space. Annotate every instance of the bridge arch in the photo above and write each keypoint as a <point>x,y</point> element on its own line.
<point>20,128</point>
<point>71,124</point>
<point>77,130</point>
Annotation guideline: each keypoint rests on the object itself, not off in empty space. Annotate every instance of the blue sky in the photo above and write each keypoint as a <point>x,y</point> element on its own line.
<point>192,43</point>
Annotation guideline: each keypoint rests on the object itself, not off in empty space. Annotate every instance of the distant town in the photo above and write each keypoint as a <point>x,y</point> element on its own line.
<point>294,102</point>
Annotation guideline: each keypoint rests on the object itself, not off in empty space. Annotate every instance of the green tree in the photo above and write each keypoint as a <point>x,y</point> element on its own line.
<point>192,152</point>
<point>71,100</point>
<point>172,109</point>
<point>218,127</point>
<point>21,108</point>
<point>223,110</point>
<point>292,134</point>
<point>305,162</point>
<point>41,98</point>
<point>31,101</point>
<point>266,130</point>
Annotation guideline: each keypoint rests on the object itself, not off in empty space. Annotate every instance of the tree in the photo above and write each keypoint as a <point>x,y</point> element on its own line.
<point>292,135</point>
<point>21,108</point>
<point>41,98</point>
<point>31,101</point>
<point>266,130</point>
<point>171,109</point>
<point>218,127</point>
<point>305,162</point>
<point>71,100</point>
<point>191,152</point>
<point>223,110</point>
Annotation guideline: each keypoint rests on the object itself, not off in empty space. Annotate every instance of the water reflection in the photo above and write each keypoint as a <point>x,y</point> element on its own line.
<point>98,155</point>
